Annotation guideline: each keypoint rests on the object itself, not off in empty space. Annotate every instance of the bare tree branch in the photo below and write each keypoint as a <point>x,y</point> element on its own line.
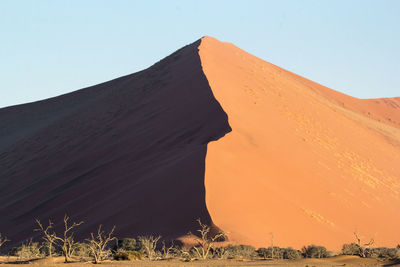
<point>98,244</point>
<point>149,244</point>
<point>363,247</point>
<point>67,240</point>
<point>206,242</point>
<point>3,239</point>
<point>48,235</point>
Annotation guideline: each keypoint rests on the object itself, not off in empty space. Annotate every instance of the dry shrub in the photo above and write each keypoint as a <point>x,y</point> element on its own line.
<point>205,244</point>
<point>279,253</point>
<point>240,252</point>
<point>122,255</point>
<point>98,244</point>
<point>128,244</point>
<point>27,250</point>
<point>81,250</point>
<point>313,251</point>
<point>351,249</point>
<point>382,252</point>
<point>149,245</point>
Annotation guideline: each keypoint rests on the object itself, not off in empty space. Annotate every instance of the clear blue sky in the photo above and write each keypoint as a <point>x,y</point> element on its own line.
<point>52,47</point>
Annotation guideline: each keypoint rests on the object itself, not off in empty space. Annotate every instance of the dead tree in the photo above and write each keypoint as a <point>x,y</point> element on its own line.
<point>98,244</point>
<point>206,242</point>
<point>365,246</point>
<point>149,244</point>
<point>67,240</point>
<point>3,239</point>
<point>272,245</point>
<point>168,252</point>
<point>48,235</point>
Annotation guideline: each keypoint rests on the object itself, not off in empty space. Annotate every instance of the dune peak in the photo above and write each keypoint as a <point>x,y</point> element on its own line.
<point>209,132</point>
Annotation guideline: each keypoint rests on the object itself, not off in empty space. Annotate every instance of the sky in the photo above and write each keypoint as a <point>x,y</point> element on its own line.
<point>48,48</point>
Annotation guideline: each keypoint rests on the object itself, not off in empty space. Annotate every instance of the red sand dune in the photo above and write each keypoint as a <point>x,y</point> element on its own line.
<point>128,152</point>
<point>209,132</point>
<point>304,162</point>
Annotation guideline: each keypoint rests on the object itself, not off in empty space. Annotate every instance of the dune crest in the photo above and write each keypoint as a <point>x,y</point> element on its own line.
<point>129,152</point>
<point>208,132</point>
<point>304,162</point>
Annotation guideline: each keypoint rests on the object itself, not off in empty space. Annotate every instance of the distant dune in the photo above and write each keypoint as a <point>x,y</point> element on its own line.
<point>209,132</point>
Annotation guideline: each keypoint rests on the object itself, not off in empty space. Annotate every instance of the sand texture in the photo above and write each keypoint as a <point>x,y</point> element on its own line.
<point>304,162</point>
<point>209,132</point>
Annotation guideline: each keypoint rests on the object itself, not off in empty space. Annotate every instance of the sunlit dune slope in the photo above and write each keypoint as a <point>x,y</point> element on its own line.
<point>304,162</point>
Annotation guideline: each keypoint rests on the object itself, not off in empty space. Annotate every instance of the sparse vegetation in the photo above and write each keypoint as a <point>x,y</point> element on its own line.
<point>291,254</point>
<point>314,251</point>
<point>363,247</point>
<point>27,250</point>
<point>221,253</point>
<point>3,240</point>
<point>48,235</point>
<point>279,253</point>
<point>240,252</point>
<point>81,251</point>
<point>128,244</point>
<point>351,249</point>
<point>122,255</point>
<point>169,251</point>
<point>97,247</point>
<point>205,243</point>
<point>128,249</point>
<point>382,252</point>
<point>67,239</point>
<point>149,244</point>
<point>270,253</point>
<point>98,244</point>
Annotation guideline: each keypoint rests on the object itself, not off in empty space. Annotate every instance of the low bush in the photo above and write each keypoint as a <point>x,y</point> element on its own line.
<point>351,249</point>
<point>220,253</point>
<point>45,249</point>
<point>27,250</point>
<point>382,252</point>
<point>291,254</point>
<point>186,254</point>
<point>271,253</point>
<point>262,252</point>
<point>149,246</point>
<point>128,244</point>
<point>169,251</point>
<point>81,250</point>
<point>122,255</point>
<point>279,253</point>
<point>240,251</point>
<point>313,251</point>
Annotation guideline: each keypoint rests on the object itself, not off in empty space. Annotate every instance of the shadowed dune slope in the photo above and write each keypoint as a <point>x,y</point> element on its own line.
<point>128,152</point>
<point>304,162</point>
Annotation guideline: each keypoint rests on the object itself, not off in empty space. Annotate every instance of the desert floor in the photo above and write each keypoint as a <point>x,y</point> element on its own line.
<point>334,261</point>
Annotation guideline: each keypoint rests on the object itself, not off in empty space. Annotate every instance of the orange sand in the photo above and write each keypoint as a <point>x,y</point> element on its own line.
<point>153,151</point>
<point>303,162</point>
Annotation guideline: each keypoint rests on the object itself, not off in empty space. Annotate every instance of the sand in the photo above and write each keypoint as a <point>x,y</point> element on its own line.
<point>303,162</point>
<point>129,152</point>
<point>334,261</point>
<point>209,132</point>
